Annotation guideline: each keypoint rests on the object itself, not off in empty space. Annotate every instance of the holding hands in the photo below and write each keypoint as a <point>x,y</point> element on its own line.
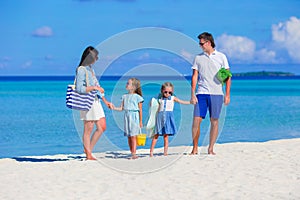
<point>194,99</point>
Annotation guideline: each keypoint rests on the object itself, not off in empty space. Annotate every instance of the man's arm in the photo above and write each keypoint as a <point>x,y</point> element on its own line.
<point>227,91</point>
<point>193,86</point>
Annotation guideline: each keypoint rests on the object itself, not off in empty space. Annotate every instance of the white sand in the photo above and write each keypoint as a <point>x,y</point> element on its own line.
<point>268,170</point>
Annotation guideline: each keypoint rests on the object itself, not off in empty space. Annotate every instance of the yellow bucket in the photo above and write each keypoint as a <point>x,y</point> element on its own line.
<point>141,139</point>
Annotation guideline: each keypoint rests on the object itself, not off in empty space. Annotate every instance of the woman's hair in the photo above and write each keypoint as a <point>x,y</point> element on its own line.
<point>207,37</point>
<point>164,86</point>
<point>89,56</point>
<point>137,85</point>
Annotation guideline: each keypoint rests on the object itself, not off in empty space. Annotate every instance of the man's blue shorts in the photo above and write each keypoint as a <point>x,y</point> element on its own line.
<point>211,102</point>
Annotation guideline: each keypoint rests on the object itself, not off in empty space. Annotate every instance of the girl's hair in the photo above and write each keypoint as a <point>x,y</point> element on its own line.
<point>166,84</point>
<point>89,56</point>
<point>137,85</point>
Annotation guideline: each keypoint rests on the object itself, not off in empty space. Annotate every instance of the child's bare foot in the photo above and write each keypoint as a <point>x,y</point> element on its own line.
<point>151,154</point>
<point>165,154</point>
<point>211,152</point>
<point>134,156</point>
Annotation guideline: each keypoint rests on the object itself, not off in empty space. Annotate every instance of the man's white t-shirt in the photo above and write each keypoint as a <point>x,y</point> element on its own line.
<point>208,67</point>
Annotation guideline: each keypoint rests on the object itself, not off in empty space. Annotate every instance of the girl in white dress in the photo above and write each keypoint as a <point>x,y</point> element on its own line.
<point>165,122</point>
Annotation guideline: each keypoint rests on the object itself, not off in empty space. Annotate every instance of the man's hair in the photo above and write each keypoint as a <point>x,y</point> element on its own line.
<point>208,37</point>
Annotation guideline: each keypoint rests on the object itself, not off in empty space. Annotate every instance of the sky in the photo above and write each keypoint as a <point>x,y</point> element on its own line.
<point>48,37</point>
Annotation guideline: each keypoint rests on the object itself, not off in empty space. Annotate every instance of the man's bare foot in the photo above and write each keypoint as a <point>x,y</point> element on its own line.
<point>194,153</point>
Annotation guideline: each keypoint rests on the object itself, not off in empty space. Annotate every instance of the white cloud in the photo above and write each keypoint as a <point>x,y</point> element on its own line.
<point>237,48</point>
<point>265,56</point>
<point>3,65</point>
<point>243,50</point>
<point>6,58</point>
<point>48,57</point>
<point>187,54</point>
<point>144,56</point>
<point>27,64</point>
<point>284,48</point>
<point>44,31</point>
<point>287,35</point>
<point>4,61</point>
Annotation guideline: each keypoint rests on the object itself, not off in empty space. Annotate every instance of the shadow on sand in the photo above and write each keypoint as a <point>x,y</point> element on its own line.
<point>32,159</point>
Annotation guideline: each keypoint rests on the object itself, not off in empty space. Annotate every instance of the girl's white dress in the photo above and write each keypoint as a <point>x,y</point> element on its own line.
<point>165,122</point>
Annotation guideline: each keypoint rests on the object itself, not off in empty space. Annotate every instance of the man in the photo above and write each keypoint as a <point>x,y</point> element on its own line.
<point>209,95</point>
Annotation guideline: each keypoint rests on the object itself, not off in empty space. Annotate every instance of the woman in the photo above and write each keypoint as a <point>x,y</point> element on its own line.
<point>86,81</point>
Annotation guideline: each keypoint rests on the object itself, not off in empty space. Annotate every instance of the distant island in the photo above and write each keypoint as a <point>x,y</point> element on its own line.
<point>263,73</point>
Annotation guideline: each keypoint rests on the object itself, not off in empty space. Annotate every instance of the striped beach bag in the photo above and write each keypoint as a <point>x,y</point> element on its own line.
<point>79,101</point>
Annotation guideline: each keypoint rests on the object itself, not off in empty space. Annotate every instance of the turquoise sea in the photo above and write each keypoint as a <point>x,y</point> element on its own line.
<point>35,120</point>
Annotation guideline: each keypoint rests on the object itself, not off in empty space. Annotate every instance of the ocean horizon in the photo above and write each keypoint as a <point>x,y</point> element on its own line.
<point>117,77</point>
<point>36,121</point>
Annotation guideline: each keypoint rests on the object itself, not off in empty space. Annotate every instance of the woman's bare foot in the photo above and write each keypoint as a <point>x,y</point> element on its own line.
<point>91,158</point>
<point>89,155</point>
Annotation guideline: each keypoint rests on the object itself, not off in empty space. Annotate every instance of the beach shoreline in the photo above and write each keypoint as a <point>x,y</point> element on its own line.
<point>244,170</point>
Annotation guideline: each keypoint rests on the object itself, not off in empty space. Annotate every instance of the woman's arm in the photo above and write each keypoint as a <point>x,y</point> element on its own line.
<point>81,82</point>
<point>91,88</point>
<point>107,103</point>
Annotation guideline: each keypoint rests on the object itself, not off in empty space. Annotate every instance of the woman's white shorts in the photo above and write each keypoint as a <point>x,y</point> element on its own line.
<point>95,113</point>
